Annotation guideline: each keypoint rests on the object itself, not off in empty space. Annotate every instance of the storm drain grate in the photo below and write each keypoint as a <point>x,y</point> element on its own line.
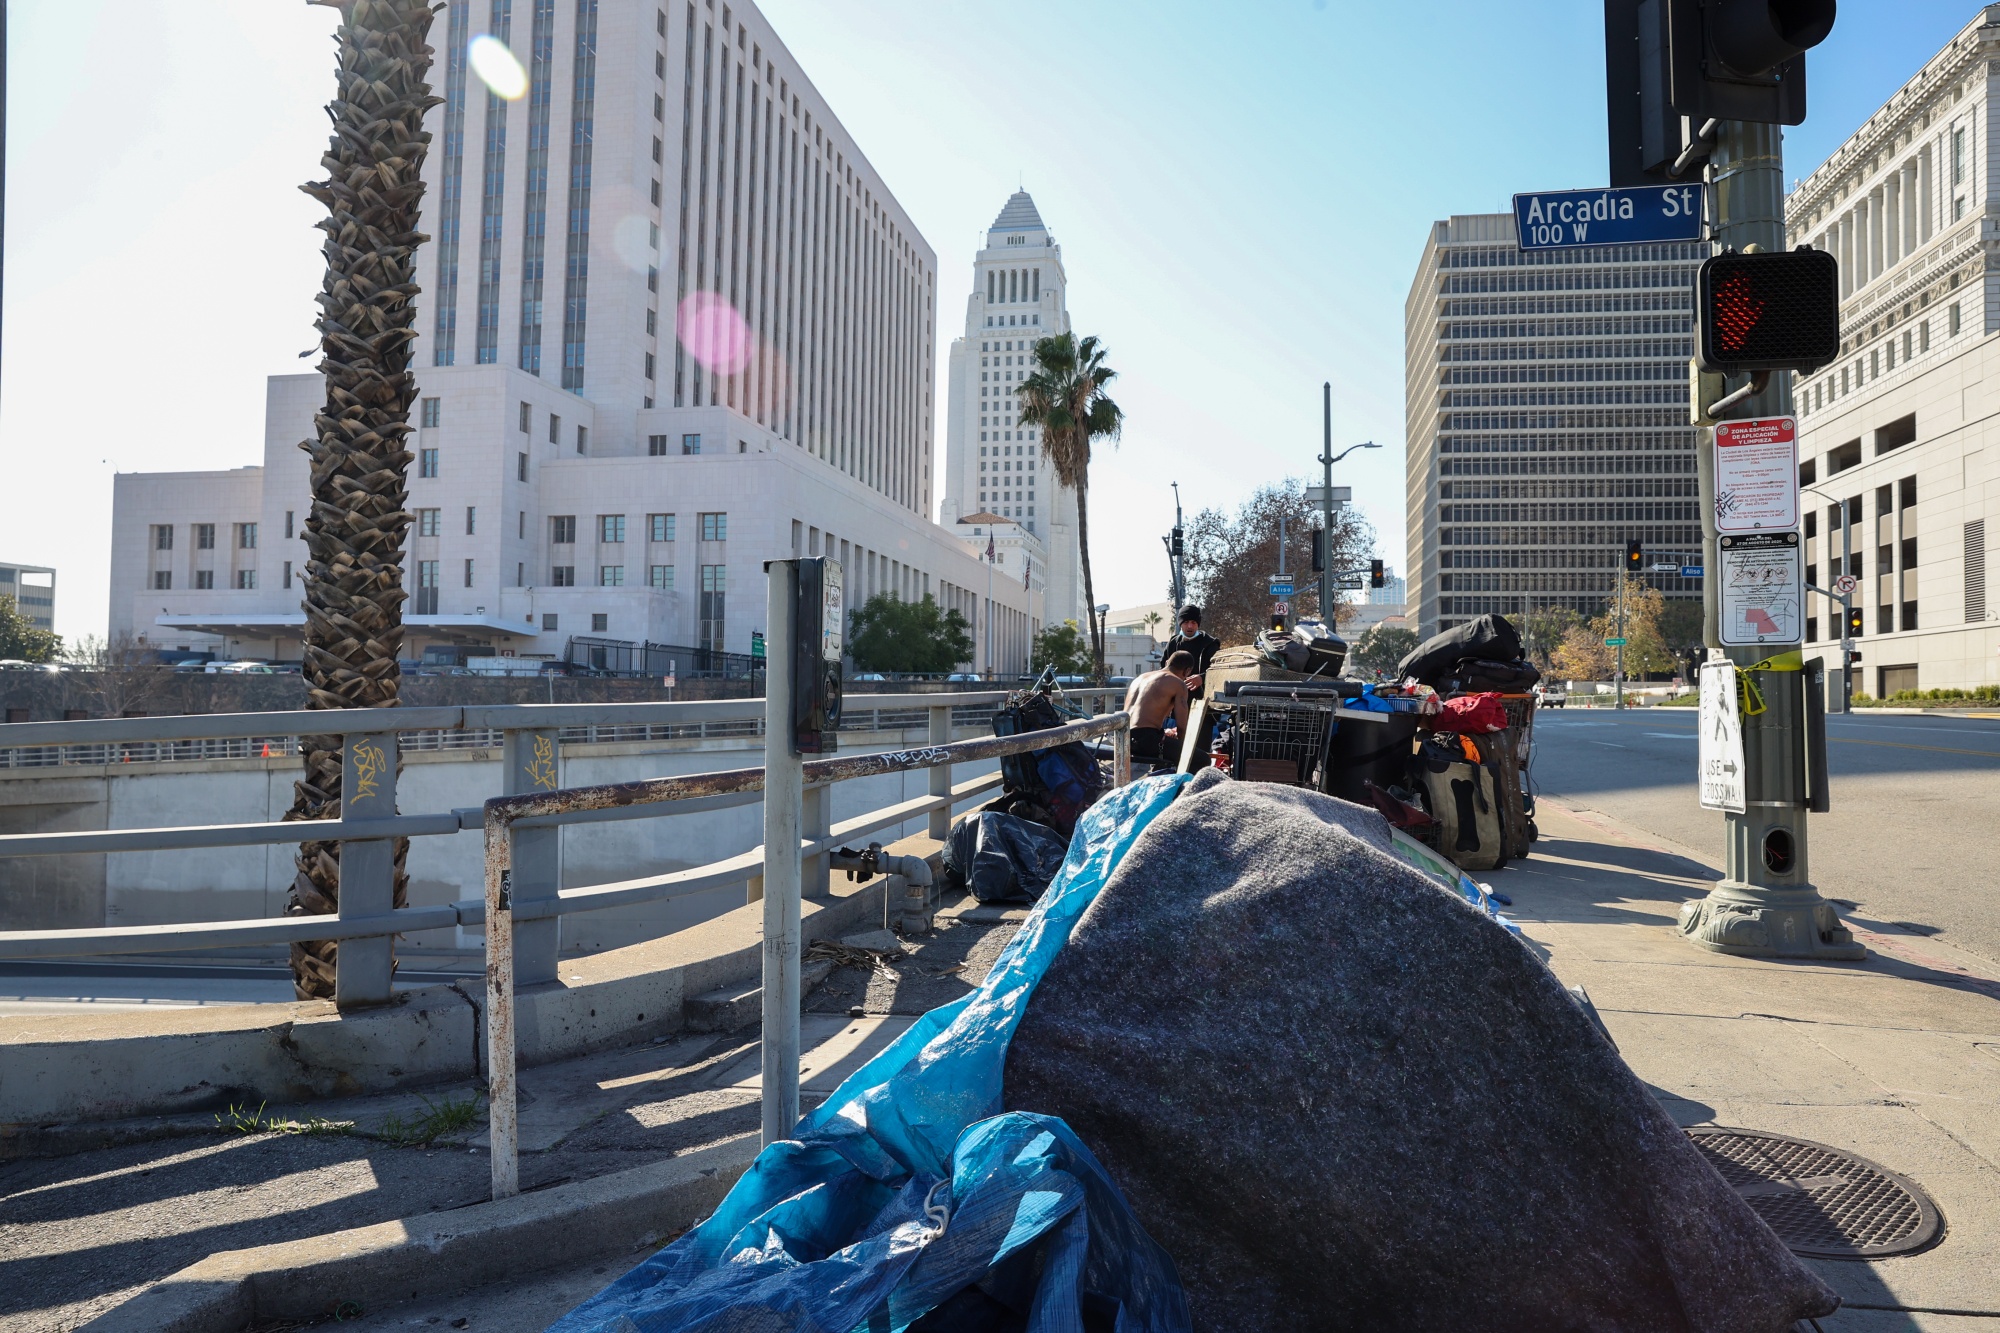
<point>1820,1201</point>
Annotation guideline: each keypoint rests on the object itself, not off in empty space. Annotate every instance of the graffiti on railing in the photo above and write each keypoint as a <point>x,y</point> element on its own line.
<point>370,762</point>
<point>928,757</point>
<point>541,766</point>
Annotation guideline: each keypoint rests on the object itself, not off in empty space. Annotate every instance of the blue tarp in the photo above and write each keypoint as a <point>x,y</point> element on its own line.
<point>909,1187</point>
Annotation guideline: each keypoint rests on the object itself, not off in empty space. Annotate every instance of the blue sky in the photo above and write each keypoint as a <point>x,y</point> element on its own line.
<point>1241,193</point>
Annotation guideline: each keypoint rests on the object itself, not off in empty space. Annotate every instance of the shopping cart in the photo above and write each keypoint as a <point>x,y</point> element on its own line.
<point>1282,740</point>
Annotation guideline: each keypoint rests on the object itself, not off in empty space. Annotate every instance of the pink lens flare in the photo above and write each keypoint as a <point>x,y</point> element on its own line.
<point>714,333</point>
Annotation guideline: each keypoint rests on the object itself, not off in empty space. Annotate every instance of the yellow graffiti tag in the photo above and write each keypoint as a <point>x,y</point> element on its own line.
<point>370,763</point>
<point>541,768</point>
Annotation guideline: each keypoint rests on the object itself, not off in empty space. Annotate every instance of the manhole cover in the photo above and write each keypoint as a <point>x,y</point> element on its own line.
<point>1823,1202</point>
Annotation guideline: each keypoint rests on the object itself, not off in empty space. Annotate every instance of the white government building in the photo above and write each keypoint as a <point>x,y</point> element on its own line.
<point>581,470</point>
<point>1900,438</point>
<point>993,464</point>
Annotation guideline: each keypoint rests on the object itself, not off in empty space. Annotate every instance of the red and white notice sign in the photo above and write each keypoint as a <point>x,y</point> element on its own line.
<point>1757,475</point>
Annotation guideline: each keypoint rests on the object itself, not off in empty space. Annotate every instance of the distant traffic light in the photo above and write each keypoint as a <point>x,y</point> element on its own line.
<point>1672,65</point>
<point>1635,559</point>
<point>1176,545</point>
<point>1777,311</point>
<point>1854,619</point>
<point>1374,573</point>
<point>1319,549</point>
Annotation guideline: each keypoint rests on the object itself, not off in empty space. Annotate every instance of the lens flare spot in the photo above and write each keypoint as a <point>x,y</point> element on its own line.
<point>496,67</point>
<point>636,242</point>
<point>714,333</point>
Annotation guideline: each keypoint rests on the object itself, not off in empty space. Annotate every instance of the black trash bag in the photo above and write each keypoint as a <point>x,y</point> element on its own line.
<point>1488,638</point>
<point>1000,858</point>
<point>1345,1099</point>
<point>1471,676</point>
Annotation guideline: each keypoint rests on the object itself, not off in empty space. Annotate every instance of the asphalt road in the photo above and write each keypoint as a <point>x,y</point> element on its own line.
<point>1914,798</point>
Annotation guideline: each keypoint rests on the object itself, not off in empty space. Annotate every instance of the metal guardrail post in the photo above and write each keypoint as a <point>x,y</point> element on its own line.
<point>784,793</point>
<point>503,1137</point>
<point>364,969</point>
<point>532,763</point>
<point>816,822</point>
<point>1121,757</point>
<point>940,734</point>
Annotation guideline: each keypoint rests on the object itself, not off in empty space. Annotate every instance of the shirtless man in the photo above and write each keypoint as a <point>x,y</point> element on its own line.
<point>1158,703</point>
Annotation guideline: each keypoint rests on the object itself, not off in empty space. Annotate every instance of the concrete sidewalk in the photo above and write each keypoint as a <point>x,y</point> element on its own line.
<point>1896,1058</point>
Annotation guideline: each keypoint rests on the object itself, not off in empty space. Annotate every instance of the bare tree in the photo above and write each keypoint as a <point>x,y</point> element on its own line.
<point>1231,556</point>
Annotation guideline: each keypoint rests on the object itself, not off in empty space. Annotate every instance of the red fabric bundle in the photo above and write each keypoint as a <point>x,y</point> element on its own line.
<point>1471,713</point>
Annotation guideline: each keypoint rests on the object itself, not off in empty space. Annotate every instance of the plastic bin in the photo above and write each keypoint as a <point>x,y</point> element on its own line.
<point>1368,747</point>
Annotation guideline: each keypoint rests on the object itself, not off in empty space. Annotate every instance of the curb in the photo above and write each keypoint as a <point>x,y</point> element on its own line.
<point>438,1253</point>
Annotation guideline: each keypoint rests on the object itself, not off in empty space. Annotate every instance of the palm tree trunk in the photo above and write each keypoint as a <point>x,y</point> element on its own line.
<point>1089,591</point>
<point>355,524</point>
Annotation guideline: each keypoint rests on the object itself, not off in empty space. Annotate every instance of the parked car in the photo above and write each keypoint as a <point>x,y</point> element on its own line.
<point>869,675</point>
<point>964,676</point>
<point>245,668</point>
<point>1551,696</point>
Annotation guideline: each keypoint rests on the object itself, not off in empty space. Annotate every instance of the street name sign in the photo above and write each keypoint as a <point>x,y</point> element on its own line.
<point>1614,643</point>
<point>1558,219</point>
<point>1763,589</point>
<point>1350,583</point>
<point>1690,571</point>
<point>1719,755</point>
<point>1281,587</point>
<point>1757,475</point>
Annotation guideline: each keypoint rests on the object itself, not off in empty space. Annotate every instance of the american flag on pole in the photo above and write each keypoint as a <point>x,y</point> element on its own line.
<point>1027,569</point>
<point>989,549</point>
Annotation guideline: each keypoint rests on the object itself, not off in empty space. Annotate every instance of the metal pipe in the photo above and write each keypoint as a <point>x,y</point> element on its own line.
<point>784,808</point>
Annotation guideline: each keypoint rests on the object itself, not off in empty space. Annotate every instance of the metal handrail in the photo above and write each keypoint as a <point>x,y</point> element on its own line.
<point>504,813</point>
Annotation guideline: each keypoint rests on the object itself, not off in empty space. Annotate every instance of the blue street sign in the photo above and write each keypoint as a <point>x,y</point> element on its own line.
<point>1280,589</point>
<point>1563,218</point>
<point>1690,571</point>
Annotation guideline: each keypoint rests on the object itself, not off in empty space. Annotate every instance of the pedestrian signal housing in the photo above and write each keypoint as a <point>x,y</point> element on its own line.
<point>1374,573</point>
<point>1635,558</point>
<point>1778,311</point>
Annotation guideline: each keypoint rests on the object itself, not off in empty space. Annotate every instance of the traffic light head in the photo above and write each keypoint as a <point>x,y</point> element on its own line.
<point>1319,549</point>
<point>1635,558</point>
<point>1853,622</point>
<point>1672,65</point>
<point>1375,573</point>
<point>1777,311</point>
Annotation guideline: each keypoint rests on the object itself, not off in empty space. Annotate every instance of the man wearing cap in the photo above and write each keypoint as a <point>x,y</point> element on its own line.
<point>1191,640</point>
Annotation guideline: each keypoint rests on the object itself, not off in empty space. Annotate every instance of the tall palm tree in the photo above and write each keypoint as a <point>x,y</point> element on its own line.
<point>354,528</point>
<point>1065,397</point>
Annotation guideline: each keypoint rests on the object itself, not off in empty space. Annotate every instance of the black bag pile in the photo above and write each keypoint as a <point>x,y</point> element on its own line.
<point>1000,858</point>
<point>1479,656</point>
<point>1343,1098</point>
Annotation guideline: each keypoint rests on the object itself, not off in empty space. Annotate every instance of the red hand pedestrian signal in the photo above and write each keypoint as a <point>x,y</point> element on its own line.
<point>1736,312</point>
<point>1768,311</point>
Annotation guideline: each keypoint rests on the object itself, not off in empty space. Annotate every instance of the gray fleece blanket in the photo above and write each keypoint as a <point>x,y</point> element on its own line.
<point>1342,1098</point>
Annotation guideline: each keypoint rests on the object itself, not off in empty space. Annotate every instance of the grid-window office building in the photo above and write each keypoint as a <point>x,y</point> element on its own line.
<point>1546,421</point>
<point>1900,438</point>
<point>33,588</point>
<point>672,324</point>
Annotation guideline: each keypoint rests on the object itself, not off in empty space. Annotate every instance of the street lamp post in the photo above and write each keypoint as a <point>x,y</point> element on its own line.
<point>1327,458</point>
<point>1844,692</point>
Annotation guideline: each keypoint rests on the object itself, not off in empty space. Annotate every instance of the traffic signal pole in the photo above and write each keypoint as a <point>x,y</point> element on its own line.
<point>1766,904</point>
<point>1326,504</point>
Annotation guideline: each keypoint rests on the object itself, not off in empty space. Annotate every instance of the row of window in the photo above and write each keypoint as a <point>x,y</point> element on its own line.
<point>714,527</point>
<point>163,579</point>
<point>1836,385</point>
<point>613,576</point>
<point>204,535</point>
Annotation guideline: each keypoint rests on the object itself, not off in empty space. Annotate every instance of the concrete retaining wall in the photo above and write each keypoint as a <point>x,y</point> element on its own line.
<point>66,1068</point>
